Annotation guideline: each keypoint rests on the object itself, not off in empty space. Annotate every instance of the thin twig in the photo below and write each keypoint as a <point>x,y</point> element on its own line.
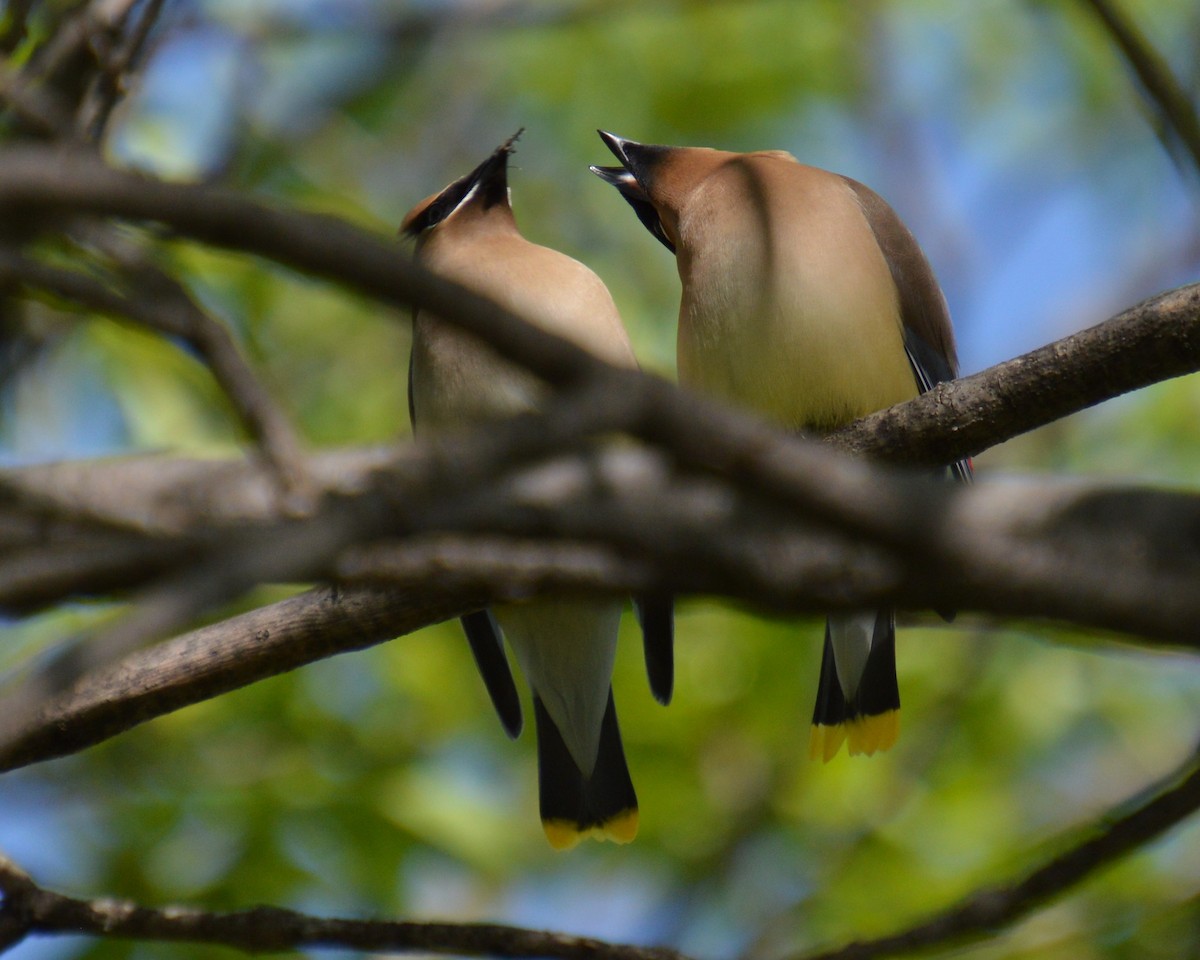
<point>164,306</point>
<point>38,109</point>
<point>1115,835</point>
<point>1161,87</point>
<point>109,83</point>
<point>15,28</point>
<point>31,909</point>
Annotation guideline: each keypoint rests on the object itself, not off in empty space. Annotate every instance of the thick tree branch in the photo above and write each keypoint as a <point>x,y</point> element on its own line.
<point>1155,340</point>
<point>1021,548</point>
<point>621,523</point>
<point>743,449</point>
<point>1120,832</point>
<point>30,909</point>
<point>218,658</point>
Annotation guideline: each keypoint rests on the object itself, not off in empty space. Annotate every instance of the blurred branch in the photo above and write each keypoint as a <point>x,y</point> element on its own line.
<point>34,181</point>
<point>74,79</point>
<point>162,305</point>
<point>1154,342</point>
<point>109,83</point>
<point>16,18</point>
<point>1019,547</point>
<point>1150,342</point>
<point>1118,833</point>
<point>39,109</point>
<point>30,909</point>
<point>1161,88</point>
<point>221,563</point>
<point>60,69</point>
<point>613,522</point>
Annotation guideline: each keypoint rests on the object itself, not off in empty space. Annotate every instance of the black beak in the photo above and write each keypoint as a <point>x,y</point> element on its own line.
<point>491,176</point>
<point>629,180</point>
<point>489,179</point>
<point>617,146</point>
<point>617,177</point>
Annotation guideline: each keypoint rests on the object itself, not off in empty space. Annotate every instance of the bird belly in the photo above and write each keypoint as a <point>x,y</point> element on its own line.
<point>799,359</point>
<point>459,380</point>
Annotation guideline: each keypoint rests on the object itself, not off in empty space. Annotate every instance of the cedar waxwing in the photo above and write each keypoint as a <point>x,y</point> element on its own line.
<point>565,647</point>
<point>806,299</point>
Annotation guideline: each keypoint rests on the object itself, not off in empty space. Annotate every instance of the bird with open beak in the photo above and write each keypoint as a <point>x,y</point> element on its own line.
<point>565,646</point>
<point>807,300</point>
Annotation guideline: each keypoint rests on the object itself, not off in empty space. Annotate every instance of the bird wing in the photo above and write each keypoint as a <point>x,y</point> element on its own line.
<point>483,635</point>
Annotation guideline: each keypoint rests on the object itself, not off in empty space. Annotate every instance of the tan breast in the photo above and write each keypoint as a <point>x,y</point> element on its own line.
<point>788,306</point>
<point>456,379</point>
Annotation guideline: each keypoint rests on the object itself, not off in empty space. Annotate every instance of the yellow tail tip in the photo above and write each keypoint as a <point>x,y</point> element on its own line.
<point>863,736</point>
<point>824,741</point>
<point>565,834</point>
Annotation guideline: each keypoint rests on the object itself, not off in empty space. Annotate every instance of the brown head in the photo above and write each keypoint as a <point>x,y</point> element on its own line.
<point>482,191</point>
<point>657,180</point>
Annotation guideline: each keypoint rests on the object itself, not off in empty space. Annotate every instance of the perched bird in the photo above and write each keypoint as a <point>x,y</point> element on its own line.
<point>806,299</point>
<point>565,647</point>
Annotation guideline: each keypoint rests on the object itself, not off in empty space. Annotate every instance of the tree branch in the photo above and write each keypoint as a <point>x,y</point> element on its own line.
<point>30,909</point>
<point>1153,341</point>
<point>162,305</point>
<point>1159,84</point>
<point>218,658</point>
<point>39,109</point>
<point>1158,342</point>
<point>617,522</point>
<point>108,85</point>
<point>1115,835</point>
<point>1017,547</point>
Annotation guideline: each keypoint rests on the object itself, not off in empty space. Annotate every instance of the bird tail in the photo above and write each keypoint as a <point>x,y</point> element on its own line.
<point>488,649</point>
<point>656,614</point>
<point>869,719</point>
<point>574,806</point>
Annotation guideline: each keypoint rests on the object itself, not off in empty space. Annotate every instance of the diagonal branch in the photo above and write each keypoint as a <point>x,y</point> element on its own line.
<point>41,110</point>
<point>163,306</point>
<point>1115,835</point>
<point>108,85</point>
<point>222,657</point>
<point>1160,85</point>
<point>1156,340</point>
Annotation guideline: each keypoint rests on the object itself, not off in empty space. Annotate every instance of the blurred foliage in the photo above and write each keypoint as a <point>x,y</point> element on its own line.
<point>380,783</point>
